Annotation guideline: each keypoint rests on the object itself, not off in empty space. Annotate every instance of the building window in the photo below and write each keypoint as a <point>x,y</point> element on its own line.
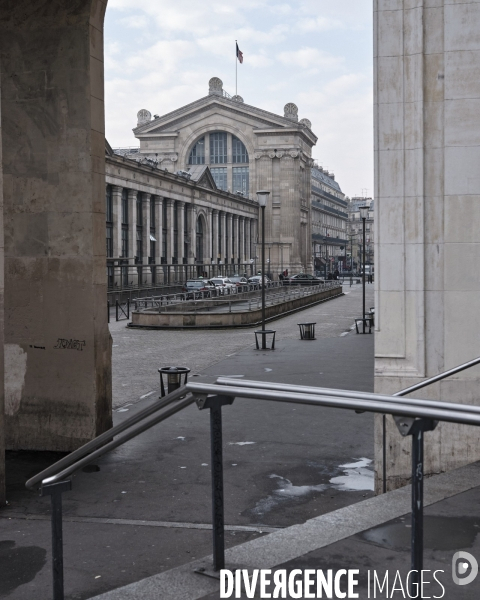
<point>220,176</point>
<point>218,148</point>
<point>239,152</point>
<point>197,154</point>
<point>240,180</point>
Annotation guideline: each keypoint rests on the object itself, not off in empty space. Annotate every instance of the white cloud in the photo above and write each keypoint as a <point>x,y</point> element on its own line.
<point>307,58</point>
<point>160,55</point>
<point>319,24</point>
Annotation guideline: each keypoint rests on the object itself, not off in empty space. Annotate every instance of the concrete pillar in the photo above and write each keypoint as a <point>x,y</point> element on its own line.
<point>248,223</point>
<point>158,229</point>
<point>132,236</point>
<point>57,343</point>
<point>427,209</point>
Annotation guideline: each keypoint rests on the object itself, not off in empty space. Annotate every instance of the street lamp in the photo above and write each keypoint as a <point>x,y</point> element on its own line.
<point>262,197</point>
<point>363,216</point>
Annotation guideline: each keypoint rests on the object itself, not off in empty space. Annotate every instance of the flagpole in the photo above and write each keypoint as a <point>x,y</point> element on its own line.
<point>236,66</point>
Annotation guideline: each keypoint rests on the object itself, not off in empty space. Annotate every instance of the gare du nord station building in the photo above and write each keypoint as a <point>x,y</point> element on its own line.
<point>184,203</point>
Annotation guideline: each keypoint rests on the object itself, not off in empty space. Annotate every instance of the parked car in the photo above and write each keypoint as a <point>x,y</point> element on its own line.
<point>224,285</point>
<point>238,280</point>
<point>302,279</point>
<point>196,288</point>
<point>257,279</point>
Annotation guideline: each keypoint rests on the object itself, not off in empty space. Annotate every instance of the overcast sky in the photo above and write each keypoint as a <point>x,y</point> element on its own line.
<point>160,54</point>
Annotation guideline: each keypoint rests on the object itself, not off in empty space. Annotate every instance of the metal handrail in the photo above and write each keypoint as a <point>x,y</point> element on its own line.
<point>370,403</point>
<point>132,432</point>
<point>405,391</point>
<point>417,417</point>
<point>439,377</point>
<point>346,394</point>
<point>103,439</point>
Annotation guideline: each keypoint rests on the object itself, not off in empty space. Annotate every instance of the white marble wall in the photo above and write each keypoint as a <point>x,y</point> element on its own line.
<point>427,191</point>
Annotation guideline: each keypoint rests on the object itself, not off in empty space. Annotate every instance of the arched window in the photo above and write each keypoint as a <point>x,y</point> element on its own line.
<point>239,152</point>
<point>197,154</point>
<point>227,157</point>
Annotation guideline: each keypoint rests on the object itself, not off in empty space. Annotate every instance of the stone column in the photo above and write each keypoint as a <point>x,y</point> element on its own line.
<point>427,209</point>
<point>159,236</point>
<point>241,239</point>
<point>57,343</point>
<point>192,225</point>
<point>147,274</point>
<point>132,236</point>
<point>235,235</point>
<point>169,228</point>
<point>247,239</point>
<point>117,220</point>
<point>223,250</point>
<point>215,238</point>
<point>229,250</point>
<point>207,259</point>
<point>181,234</point>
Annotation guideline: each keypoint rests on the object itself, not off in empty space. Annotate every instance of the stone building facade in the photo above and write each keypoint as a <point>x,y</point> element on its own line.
<point>329,221</point>
<point>163,227</point>
<point>427,210</point>
<point>246,149</point>
<point>355,232</point>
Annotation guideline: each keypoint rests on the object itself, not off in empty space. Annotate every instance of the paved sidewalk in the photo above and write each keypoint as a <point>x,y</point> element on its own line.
<point>146,507</point>
<point>138,354</point>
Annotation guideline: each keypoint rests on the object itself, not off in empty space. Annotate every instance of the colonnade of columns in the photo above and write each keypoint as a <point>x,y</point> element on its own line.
<point>150,233</point>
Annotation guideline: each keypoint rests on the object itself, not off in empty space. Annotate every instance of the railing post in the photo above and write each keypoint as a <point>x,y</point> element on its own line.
<point>416,428</point>
<point>116,310</point>
<point>215,403</point>
<point>55,490</point>
<point>128,308</point>
<point>108,310</point>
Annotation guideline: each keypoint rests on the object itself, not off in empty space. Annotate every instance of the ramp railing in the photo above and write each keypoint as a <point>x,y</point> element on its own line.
<point>413,417</point>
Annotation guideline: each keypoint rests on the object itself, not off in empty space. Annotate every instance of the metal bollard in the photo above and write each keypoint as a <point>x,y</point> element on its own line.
<point>174,378</point>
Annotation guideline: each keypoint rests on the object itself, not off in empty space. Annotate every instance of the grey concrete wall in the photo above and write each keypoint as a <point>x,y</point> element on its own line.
<point>57,343</point>
<point>149,318</point>
<point>427,153</point>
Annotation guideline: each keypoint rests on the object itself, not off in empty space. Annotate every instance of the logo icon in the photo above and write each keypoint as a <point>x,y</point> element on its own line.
<point>460,567</point>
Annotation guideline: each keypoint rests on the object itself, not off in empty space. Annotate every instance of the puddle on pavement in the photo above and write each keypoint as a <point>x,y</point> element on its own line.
<point>357,476</point>
<point>440,533</point>
<point>20,565</point>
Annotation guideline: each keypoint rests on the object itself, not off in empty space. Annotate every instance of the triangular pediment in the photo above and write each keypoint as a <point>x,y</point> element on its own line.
<point>171,122</point>
<point>202,176</point>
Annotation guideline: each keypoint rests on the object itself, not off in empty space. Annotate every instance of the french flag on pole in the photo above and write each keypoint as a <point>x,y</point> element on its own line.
<point>239,55</point>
